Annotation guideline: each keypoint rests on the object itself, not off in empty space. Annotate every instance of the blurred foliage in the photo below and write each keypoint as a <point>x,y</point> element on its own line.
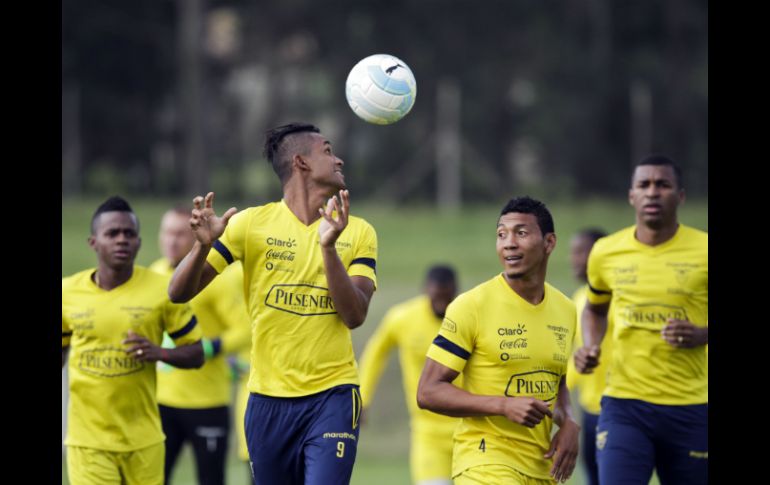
<point>547,90</point>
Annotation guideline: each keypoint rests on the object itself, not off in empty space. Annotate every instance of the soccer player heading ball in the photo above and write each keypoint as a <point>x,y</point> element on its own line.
<point>309,269</point>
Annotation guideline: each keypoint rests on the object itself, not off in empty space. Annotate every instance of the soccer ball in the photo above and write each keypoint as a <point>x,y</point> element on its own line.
<point>381,89</point>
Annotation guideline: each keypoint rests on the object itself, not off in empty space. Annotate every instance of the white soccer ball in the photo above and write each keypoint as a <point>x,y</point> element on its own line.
<point>381,89</point>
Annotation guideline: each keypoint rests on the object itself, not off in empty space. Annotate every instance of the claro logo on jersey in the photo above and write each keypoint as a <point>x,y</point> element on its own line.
<point>651,316</point>
<point>108,362</point>
<point>299,299</point>
<point>540,384</point>
<point>282,243</point>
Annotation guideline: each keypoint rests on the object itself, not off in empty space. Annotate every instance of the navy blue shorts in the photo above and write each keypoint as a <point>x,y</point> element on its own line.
<point>310,440</point>
<point>633,437</point>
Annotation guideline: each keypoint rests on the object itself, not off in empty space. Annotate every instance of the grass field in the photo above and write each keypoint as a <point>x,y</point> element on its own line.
<point>410,240</point>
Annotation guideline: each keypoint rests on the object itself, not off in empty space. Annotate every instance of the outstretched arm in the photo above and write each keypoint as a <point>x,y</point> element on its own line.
<point>351,294</point>
<point>193,273</point>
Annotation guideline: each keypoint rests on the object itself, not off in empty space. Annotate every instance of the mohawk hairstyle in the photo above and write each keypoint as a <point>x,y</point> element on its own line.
<point>276,150</point>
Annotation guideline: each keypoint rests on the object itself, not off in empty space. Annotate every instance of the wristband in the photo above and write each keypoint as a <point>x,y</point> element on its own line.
<point>208,348</point>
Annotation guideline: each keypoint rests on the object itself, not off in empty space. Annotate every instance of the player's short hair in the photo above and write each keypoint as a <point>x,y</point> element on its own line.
<point>661,160</point>
<point>592,233</point>
<point>441,274</point>
<point>280,146</point>
<point>528,205</point>
<point>113,204</point>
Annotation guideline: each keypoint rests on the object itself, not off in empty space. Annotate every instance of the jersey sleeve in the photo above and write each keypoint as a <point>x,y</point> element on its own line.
<point>456,338</point>
<point>364,261</point>
<point>180,323</point>
<point>230,245</point>
<point>598,287</point>
<point>374,358</point>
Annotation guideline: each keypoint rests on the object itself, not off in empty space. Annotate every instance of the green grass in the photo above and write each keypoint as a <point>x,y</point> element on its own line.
<point>410,240</point>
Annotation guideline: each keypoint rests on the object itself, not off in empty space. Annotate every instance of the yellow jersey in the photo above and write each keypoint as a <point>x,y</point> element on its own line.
<point>505,346</point>
<point>112,404</point>
<point>411,327</point>
<point>647,285</point>
<point>221,313</point>
<point>300,345</point>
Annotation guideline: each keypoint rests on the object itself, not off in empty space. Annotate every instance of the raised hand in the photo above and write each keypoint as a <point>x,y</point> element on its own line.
<point>330,228</point>
<point>204,221</point>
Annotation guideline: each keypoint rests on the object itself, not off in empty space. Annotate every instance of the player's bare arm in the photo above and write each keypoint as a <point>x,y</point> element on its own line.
<point>594,319</point>
<point>351,294</point>
<point>437,393</point>
<point>564,444</point>
<point>684,335</point>
<point>193,273</point>
<point>183,356</point>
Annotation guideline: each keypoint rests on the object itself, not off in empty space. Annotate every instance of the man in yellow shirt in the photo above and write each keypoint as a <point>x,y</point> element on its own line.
<point>194,403</point>
<point>655,274</point>
<point>411,326</point>
<point>113,319</point>
<point>589,386</point>
<point>309,273</point>
<point>511,338</point>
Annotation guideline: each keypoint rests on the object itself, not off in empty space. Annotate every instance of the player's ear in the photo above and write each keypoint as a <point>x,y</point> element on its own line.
<point>92,242</point>
<point>550,242</point>
<point>299,161</point>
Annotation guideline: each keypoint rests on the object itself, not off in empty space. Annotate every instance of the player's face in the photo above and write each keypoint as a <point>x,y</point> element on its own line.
<point>655,195</point>
<point>579,249</point>
<point>116,239</point>
<point>176,237</point>
<point>326,167</point>
<point>521,246</point>
<point>441,295</point>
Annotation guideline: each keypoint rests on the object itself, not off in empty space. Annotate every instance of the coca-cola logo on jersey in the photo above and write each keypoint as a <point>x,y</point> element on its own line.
<point>280,255</point>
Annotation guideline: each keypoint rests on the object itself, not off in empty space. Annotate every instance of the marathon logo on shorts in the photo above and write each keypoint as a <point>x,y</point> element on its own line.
<point>108,362</point>
<point>339,436</point>
<point>540,384</point>
<point>651,316</point>
<point>300,299</point>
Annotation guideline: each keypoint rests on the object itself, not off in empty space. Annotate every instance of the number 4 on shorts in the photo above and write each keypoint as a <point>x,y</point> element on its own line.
<point>483,446</point>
